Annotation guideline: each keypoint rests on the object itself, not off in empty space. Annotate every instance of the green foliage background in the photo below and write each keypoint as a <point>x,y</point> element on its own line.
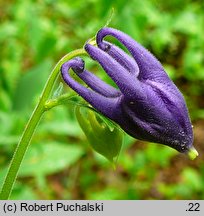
<point>60,164</point>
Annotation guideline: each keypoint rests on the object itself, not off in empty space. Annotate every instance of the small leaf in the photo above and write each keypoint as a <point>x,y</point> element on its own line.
<point>102,139</point>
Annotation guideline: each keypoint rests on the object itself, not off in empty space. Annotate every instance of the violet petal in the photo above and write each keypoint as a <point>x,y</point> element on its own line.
<point>103,104</point>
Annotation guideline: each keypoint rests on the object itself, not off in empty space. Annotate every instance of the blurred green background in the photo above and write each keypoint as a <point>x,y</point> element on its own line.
<point>60,164</point>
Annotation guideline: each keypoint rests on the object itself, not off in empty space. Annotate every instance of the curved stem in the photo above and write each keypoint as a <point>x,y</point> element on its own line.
<point>31,126</point>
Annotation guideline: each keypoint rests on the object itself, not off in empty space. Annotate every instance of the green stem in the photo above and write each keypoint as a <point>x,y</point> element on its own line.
<point>57,101</point>
<point>31,126</point>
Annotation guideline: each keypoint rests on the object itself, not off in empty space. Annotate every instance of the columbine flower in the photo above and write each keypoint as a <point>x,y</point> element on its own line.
<point>147,105</point>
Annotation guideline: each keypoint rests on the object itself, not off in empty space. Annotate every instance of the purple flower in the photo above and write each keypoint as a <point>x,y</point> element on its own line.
<point>147,104</point>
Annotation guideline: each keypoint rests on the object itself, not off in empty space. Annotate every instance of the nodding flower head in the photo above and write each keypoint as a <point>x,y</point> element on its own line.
<point>147,104</point>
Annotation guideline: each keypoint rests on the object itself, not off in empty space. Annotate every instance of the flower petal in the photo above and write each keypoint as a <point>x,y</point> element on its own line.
<point>121,57</point>
<point>127,83</point>
<point>101,103</point>
<point>150,67</point>
<point>98,85</point>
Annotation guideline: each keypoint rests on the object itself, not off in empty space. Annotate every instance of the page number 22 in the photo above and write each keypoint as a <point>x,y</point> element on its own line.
<point>193,207</point>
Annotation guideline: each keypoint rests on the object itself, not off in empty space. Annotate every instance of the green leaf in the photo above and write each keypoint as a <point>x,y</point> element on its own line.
<point>102,139</point>
<point>48,158</point>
